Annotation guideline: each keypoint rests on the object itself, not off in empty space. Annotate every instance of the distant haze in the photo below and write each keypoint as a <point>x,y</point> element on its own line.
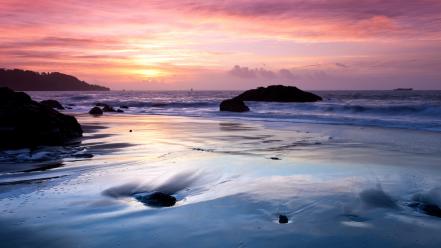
<point>231,44</point>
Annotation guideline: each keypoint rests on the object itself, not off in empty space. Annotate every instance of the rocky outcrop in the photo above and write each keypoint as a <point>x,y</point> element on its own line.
<point>26,123</point>
<point>233,105</point>
<point>52,104</point>
<point>278,93</point>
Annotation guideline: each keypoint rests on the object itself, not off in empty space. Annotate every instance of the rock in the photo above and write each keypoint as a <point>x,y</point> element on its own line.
<point>427,202</point>
<point>377,198</point>
<point>83,155</point>
<point>52,104</point>
<point>157,199</point>
<point>283,219</point>
<point>233,105</point>
<point>96,111</point>
<point>427,208</point>
<point>108,108</point>
<point>120,111</point>
<point>278,93</point>
<point>431,209</point>
<point>123,107</point>
<point>274,158</point>
<point>27,123</point>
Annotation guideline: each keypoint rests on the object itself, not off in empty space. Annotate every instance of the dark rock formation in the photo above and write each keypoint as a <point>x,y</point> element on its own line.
<point>157,199</point>
<point>377,198</point>
<point>30,80</point>
<point>120,111</point>
<point>283,219</point>
<point>233,105</point>
<point>26,123</point>
<point>427,203</point>
<point>123,107</point>
<point>106,107</point>
<point>52,104</point>
<point>278,93</point>
<point>427,208</point>
<point>96,111</point>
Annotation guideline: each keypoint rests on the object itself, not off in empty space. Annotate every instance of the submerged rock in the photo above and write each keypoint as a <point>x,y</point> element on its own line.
<point>428,202</point>
<point>120,111</point>
<point>96,111</point>
<point>27,123</point>
<point>123,107</point>
<point>427,208</point>
<point>377,198</point>
<point>157,199</point>
<point>52,104</point>
<point>233,105</point>
<point>278,93</point>
<point>283,219</point>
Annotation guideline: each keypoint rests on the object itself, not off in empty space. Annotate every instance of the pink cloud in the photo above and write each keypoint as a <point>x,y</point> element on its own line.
<point>184,41</point>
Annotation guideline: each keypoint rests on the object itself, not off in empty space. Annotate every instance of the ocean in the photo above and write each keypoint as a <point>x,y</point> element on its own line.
<point>360,168</point>
<point>420,110</point>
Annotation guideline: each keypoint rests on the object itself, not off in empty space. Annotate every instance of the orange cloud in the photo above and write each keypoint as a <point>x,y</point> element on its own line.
<point>181,42</point>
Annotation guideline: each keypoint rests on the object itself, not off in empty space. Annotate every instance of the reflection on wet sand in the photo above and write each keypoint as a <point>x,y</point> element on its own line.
<point>232,180</point>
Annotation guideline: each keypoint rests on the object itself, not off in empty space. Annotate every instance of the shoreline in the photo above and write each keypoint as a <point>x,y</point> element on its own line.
<point>226,182</point>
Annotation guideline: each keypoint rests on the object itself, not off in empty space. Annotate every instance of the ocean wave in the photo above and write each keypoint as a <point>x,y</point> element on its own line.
<point>348,108</point>
<point>414,110</point>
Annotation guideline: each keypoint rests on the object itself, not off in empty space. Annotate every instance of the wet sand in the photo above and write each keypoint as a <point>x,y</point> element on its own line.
<point>339,186</point>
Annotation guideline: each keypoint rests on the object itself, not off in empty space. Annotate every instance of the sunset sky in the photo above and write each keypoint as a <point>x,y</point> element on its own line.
<point>231,44</point>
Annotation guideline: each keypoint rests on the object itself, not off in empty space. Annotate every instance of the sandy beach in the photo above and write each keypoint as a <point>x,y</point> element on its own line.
<point>338,185</point>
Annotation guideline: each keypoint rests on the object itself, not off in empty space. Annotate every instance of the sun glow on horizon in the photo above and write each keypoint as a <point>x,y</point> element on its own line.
<point>327,44</point>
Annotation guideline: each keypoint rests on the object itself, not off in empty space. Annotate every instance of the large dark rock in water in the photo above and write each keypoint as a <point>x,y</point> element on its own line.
<point>96,111</point>
<point>26,123</point>
<point>52,104</point>
<point>278,93</point>
<point>233,105</point>
<point>106,107</point>
<point>157,199</point>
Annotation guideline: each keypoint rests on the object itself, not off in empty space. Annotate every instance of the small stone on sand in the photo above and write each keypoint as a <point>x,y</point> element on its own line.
<point>283,219</point>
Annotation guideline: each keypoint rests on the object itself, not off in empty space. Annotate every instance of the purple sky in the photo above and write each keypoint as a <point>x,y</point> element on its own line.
<point>215,44</point>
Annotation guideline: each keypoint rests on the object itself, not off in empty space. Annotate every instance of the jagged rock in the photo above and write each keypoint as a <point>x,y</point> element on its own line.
<point>278,93</point>
<point>27,123</point>
<point>52,104</point>
<point>233,105</point>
